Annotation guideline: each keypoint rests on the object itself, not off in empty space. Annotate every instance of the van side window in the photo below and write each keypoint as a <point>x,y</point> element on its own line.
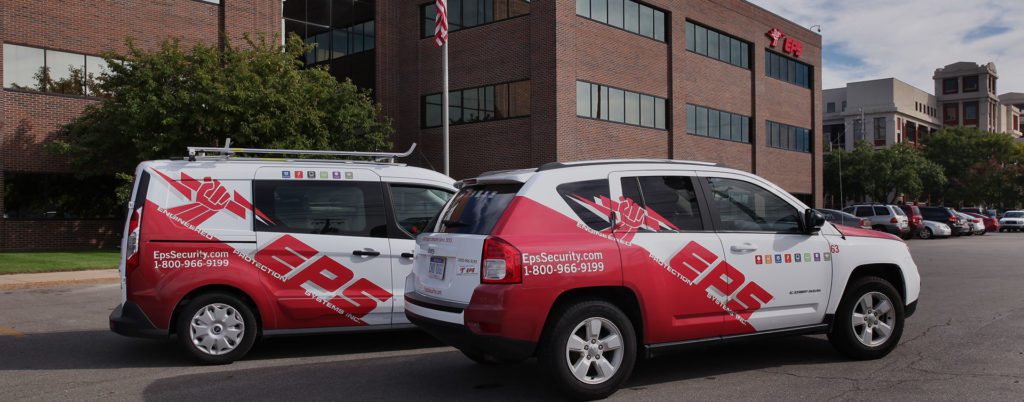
<point>881,211</point>
<point>348,208</point>
<point>581,197</point>
<point>744,206</point>
<point>672,198</point>
<point>415,206</point>
<point>864,212</point>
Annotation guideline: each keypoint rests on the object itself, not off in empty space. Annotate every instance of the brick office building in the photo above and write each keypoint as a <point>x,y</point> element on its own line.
<point>532,81</point>
<point>59,34</point>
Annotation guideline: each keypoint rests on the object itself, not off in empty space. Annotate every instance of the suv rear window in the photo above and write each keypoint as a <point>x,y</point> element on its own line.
<point>899,212</point>
<point>476,209</point>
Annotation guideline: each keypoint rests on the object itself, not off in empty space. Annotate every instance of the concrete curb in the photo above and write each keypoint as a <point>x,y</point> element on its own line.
<point>53,279</point>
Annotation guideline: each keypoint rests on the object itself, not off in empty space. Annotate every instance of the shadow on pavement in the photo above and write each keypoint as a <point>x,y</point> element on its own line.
<point>449,375</point>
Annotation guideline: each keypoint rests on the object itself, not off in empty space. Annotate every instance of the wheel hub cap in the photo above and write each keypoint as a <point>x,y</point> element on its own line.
<point>873,319</point>
<point>217,329</point>
<point>594,350</point>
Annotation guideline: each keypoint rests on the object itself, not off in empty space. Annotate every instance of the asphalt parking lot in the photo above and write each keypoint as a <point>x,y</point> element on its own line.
<point>966,342</point>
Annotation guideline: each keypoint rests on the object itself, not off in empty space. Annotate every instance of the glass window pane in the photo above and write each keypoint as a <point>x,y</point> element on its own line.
<point>632,108</point>
<point>501,107</point>
<point>583,8</point>
<point>368,35</point>
<point>23,67</point>
<point>737,127</point>
<point>659,113</point>
<point>295,10</point>
<point>714,124</point>
<point>646,111</point>
<point>596,102</point>
<point>775,141</point>
<point>470,11</point>
<point>599,10</point>
<point>67,72</point>
<point>674,198</point>
<point>691,119</point>
<point>726,125</point>
<point>736,52</point>
<point>415,206</point>
<point>615,13</point>
<point>604,103</point>
<point>713,44</point>
<point>746,129</point>
<point>631,17</point>
<point>690,42</point>
<point>792,72</point>
<point>348,208</point>
<point>659,25</point>
<point>340,43</point>
<point>744,206</point>
<point>487,103</point>
<point>744,55</point>
<point>723,48</point>
<point>95,67</point>
<point>702,39</point>
<point>318,11</point>
<point>582,98</point>
<point>454,15</point>
<point>617,103</point>
<point>432,111</point>
<point>646,21</point>
<point>702,121</point>
<point>471,105</point>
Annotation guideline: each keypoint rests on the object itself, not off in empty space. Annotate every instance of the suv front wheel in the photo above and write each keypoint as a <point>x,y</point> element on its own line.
<point>869,321</point>
<point>590,350</point>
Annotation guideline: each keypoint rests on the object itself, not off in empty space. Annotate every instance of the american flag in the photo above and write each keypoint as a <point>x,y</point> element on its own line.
<point>441,23</point>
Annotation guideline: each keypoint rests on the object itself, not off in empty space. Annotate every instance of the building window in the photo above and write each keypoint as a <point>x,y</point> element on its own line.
<point>950,86</point>
<point>950,114</point>
<point>626,15</point>
<point>830,107</point>
<point>971,83</point>
<point>971,113</point>
<point>621,106</point>
<point>44,70</point>
<point>784,136</point>
<point>464,14</point>
<point>786,69</point>
<point>707,122</point>
<point>879,131</point>
<point>844,106</point>
<point>1016,123</point>
<point>717,45</point>
<point>835,136</point>
<point>30,196</point>
<point>338,28</point>
<point>474,105</point>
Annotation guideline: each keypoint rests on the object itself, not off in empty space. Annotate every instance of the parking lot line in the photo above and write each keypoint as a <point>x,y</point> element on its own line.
<point>10,332</point>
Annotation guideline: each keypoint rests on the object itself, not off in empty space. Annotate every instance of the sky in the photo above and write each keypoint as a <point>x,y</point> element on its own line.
<point>909,39</point>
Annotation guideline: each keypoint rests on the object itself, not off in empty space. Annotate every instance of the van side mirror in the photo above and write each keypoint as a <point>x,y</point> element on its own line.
<point>813,221</point>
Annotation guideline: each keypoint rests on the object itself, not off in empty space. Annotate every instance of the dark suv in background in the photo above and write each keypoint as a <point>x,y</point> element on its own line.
<point>946,215</point>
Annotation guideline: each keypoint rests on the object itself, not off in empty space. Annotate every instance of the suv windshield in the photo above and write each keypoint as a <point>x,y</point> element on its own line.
<point>476,209</point>
<point>1014,215</point>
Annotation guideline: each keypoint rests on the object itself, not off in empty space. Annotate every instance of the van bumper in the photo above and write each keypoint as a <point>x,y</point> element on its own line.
<point>128,319</point>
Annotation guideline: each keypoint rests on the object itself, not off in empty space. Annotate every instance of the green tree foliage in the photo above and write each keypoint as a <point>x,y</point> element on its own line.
<point>882,174</point>
<point>983,168</point>
<point>159,102</point>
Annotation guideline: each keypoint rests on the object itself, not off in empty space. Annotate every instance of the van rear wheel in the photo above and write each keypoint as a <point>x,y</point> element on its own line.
<point>216,328</point>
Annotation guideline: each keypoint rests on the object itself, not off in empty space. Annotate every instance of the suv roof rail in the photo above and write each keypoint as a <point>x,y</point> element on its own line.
<point>228,153</point>
<point>559,165</point>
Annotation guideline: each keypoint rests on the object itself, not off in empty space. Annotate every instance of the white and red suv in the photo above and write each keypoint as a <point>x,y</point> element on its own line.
<point>589,265</point>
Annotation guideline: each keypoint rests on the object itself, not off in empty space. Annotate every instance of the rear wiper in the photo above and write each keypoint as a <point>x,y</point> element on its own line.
<point>453,224</point>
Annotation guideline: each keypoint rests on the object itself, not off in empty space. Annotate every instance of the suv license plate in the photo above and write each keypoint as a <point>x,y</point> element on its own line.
<point>436,268</point>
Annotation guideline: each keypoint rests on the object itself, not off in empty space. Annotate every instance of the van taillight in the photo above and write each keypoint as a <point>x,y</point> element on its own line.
<point>502,263</point>
<point>132,244</point>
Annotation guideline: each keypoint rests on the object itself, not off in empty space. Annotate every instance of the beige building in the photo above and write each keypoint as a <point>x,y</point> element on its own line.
<point>966,95</point>
<point>882,112</point>
<point>1011,105</point>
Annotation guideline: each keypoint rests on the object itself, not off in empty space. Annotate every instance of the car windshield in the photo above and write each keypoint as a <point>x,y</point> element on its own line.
<point>1015,214</point>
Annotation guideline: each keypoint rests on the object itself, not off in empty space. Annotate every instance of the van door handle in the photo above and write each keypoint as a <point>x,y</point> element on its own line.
<point>743,248</point>
<point>366,253</point>
<point>408,255</point>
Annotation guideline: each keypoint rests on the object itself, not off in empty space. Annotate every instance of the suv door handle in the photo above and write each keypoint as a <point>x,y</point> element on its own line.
<point>408,255</point>
<point>743,248</point>
<point>366,253</point>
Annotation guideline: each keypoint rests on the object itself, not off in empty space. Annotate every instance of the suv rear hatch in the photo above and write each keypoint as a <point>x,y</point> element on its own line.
<point>449,258</point>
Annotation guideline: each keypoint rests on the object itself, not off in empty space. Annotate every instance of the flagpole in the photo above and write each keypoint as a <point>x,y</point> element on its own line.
<point>444,105</point>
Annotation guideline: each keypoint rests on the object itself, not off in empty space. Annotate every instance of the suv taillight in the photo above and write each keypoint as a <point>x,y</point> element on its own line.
<point>864,223</point>
<point>132,244</point>
<point>502,263</point>
<point>894,220</point>
<point>952,219</point>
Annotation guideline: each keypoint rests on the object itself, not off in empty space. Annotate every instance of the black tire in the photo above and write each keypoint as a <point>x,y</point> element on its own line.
<point>879,228</point>
<point>249,330</point>
<point>925,233</point>
<point>553,355</point>
<point>843,335</point>
<point>1001,230</point>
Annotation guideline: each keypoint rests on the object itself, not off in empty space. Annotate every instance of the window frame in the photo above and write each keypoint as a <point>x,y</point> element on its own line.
<point>509,105</point>
<point>692,25</point>
<point>640,8</point>
<point>452,28</point>
<point>948,88</point>
<point>708,112</point>
<point>706,219</point>
<point>395,230</point>
<point>603,90</point>
<point>778,66</point>
<point>384,194</point>
<point>977,113</point>
<point>716,216</point>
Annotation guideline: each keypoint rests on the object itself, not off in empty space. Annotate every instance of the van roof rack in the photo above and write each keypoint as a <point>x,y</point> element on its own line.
<point>559,165</point>
<point>228,153</point>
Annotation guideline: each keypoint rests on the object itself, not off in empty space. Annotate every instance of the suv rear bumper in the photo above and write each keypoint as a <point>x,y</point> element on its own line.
<point>129,320</point>
<point>460,337</point>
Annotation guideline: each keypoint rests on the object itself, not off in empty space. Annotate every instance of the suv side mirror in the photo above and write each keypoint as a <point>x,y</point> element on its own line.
<point>813,221</point>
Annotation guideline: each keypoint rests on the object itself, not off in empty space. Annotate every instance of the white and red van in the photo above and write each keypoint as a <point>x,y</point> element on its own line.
<point>220,250</point>
<point>589,265</point>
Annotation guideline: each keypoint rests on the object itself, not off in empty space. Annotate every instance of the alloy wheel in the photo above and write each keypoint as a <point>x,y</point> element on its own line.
<point>873,319</point>
<point>594,350</point>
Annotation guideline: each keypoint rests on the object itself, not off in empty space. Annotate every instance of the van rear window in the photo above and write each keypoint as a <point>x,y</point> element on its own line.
<point>476,209</point>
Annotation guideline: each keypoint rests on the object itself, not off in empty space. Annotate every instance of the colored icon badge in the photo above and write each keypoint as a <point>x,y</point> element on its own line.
<point>323,174</point>
<point>796,257</point>
<point>778,258</point>
<point>817,256</point>
<point>768,259</point>
<point>348,175</point>
<point>286,174</point>
<point>807,257</point>
<point>336,175</point>
<point>298,174</point>
<point>311,174</point>
<point>828,256</point>
<point>758,260</point>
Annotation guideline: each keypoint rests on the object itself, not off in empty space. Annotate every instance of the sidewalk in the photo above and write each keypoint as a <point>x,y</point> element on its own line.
<point>51,279</point>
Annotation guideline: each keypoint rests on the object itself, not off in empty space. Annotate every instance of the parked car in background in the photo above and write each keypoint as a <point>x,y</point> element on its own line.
<point>884,218</point>
<point>977,226</point>
<point>947,216</point>
<point>932,229</point>
<point>843,218</point>
<point>1012,221</point>
<point>973,210</point>
<point>914,216</point>
<point>991,224</point>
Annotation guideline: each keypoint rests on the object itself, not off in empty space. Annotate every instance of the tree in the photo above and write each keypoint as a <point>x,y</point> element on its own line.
<point>158,103</point>
<point>983,167</point>
<point>882,174</point>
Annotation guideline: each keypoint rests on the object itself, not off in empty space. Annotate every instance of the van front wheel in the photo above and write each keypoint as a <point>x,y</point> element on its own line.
<point>216,328</point>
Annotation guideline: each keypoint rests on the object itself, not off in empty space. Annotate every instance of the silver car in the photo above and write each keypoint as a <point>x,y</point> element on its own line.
<point>977,225</point>
<point>1012,221</point>
<point>934,229</point>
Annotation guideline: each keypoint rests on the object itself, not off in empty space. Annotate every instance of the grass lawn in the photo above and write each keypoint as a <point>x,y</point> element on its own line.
<point>18,263</point>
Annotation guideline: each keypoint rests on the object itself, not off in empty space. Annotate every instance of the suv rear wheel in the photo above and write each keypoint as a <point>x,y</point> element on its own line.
<point>216,328</point>
<point>590,350</point>
<point>869,321</point>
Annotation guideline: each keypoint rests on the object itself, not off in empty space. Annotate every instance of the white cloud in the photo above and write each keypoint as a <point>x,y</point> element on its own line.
<point>909,39</point>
